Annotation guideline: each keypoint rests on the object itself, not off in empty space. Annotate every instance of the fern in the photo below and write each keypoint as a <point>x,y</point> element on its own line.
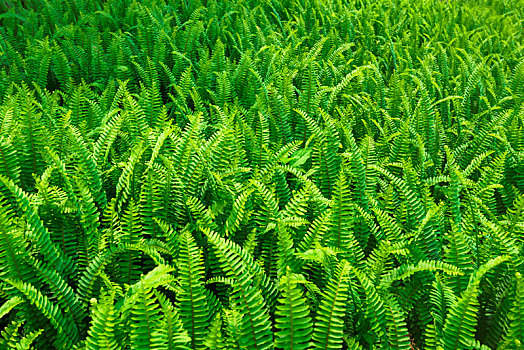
<point>66,330</point>
<point>329,324</point>
<point>258,175</point>
<point>193,306</point>
<point>294,323</point>
<point>255,325</point>
<point>460,323</point>
<point>102,333</point>
<point>514,335</point>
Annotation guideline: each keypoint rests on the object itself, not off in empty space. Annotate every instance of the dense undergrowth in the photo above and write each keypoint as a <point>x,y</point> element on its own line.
<point>287,174</point>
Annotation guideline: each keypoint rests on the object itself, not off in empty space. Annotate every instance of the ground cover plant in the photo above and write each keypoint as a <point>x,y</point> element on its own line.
<point>275,174</point>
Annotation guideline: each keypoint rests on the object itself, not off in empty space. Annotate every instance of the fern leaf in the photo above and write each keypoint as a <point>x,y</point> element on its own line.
<point>194,310</point>
<point>102,333</point>
<point>294,323</point>
<point>329,324</point>
<point>459,329</point>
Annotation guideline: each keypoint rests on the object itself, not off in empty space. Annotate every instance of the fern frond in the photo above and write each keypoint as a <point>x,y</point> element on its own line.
<point>9,305</point>
<point>9,166</point>
<point>66,329</point>
<point>102,333</point>
<point>459,328</point>
<point>193,307</point>
<point>294,323</point>
<point>329,324</point>
<point>515,333</point>
<point>255,328</point>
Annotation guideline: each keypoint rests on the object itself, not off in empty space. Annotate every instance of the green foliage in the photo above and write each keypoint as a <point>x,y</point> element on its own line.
<point>285,174</point>
<point>294,322</point>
